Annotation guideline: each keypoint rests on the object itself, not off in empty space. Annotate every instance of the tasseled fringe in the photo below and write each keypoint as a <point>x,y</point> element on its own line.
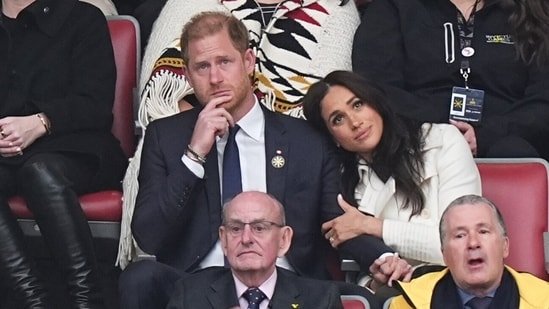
<point>269,101</point>
<point>161,96</point>
<point>127,248</point>
<point>296,112</point>
<point>160,99</point>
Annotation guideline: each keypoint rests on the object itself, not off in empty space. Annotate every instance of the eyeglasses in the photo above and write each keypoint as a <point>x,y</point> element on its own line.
<point>258,228</point>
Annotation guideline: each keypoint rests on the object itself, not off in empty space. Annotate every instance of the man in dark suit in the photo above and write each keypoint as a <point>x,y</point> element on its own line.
<point>253,234</point>
<point>181,191</point>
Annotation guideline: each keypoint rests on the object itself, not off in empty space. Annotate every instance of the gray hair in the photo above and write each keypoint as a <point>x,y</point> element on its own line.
<point>471,199</point>
<point>273,199</point>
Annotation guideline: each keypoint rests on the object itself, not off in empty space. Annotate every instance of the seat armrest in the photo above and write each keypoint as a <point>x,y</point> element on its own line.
<point>351,269</point>
<point>349,265</point>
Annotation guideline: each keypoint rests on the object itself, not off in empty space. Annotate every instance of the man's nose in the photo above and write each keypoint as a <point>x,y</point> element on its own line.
<point>215,75</point>
<point>247,236</point>
<point>473,241</point>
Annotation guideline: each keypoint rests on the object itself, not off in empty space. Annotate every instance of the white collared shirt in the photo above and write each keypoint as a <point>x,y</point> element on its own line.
<point>266,287</point>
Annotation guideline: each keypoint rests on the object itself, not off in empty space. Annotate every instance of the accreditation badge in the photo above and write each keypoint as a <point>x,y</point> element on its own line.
<point>466,104</point>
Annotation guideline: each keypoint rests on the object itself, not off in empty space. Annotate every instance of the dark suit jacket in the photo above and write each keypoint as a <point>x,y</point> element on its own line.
<point>177,215</point>
<point>214,288</point>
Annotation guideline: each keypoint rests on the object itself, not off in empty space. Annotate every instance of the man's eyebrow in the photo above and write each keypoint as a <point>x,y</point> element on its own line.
<point>200,62</point>
<point>464,228</point>
<point>458,228</point>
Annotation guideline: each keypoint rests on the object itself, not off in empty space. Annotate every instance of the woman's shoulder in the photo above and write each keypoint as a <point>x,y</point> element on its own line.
<point>440,135</point>
<point>441,129</point>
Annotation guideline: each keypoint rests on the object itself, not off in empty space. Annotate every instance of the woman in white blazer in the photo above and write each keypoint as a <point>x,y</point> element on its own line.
<point>397,175</point>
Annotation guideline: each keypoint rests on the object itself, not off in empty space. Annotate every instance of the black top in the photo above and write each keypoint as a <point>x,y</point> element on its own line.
<point>401,43</point>
<point>56,57</point>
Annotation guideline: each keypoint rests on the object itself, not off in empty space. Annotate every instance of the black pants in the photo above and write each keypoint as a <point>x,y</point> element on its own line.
<point>77,170</point>
<point>147,285</point>
<point>512,147</point>
<point>50,183</point>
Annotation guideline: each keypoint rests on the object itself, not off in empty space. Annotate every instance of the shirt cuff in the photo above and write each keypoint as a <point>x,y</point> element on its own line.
<point>195,167</point>
<point>386,254</point>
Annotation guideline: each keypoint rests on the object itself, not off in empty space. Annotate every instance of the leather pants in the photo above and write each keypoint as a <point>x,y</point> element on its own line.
<point>54,203</point>
<point>15,266</point>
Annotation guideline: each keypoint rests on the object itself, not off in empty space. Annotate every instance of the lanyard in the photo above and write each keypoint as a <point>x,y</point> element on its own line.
<point>466,32</point>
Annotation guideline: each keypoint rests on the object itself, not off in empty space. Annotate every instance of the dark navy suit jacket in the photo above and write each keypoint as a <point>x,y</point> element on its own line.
<point>214,288</point>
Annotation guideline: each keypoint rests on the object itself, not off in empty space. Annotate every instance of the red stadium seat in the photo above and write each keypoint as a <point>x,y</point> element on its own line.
<point>354,302</point>
<point>104,209</point>
<point>519,187</point>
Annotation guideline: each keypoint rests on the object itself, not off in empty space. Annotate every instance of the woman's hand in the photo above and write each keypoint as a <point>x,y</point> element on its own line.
<point>385,270</point>
<point>468,132</point>
<point>17,133</point>
<point>351,224</point>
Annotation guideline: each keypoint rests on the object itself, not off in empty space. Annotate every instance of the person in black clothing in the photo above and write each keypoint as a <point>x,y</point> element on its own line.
<point>57,78</point>
<point>418,48</point>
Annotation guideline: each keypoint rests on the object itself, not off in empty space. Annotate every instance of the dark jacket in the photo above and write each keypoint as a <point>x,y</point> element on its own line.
<point>215,288</point>
<point>59,60</point>
<point>401,43</point>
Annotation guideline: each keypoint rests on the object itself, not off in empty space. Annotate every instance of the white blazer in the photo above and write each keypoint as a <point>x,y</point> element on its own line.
<point>450,172</point>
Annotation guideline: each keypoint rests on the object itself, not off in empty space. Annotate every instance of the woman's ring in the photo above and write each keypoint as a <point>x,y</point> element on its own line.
<point>331,239</point>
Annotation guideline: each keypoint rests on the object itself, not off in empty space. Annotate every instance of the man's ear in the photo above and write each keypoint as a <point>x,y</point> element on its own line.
<point>249,60</point>
<point>185,72</point>
<point>505,246</point>
<point>223,238</point>
<point>285,240</point>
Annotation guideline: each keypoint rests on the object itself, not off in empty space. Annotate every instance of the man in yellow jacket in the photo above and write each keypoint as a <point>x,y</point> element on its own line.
<point>474,243</point>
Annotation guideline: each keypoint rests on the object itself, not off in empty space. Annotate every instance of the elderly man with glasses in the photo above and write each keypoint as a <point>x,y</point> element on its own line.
<point>253,235</point>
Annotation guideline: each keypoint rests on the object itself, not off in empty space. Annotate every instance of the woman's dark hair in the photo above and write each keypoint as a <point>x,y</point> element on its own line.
<point>399,151</point>
<point>530,22</point>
